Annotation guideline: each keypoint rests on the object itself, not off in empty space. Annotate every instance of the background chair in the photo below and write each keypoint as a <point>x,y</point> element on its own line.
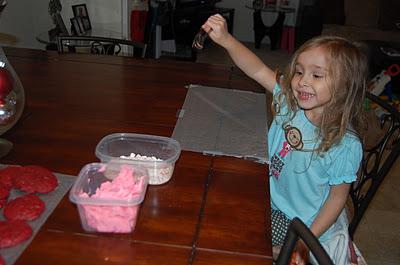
<point>298,229</point>
<point>380,154</point>
<point>100,45</point>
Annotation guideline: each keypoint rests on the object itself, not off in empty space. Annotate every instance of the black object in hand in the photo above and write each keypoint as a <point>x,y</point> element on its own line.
<point>198,41</point>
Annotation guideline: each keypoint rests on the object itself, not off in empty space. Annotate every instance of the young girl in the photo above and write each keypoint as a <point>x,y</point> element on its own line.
<point>313,143</point>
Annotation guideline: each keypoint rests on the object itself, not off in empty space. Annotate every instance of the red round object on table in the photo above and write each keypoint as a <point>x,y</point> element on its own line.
<point>6,83</point>
<point>35,179</point>
<point>14,232</point>
<point>3,202</point>
<point>27,208</point>
<point>8,173</point>
<point>4,193</point>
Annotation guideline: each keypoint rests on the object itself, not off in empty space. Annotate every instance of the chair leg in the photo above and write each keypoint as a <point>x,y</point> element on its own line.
<point>258,37</point>
<point>275,31</point>
<point>274,42</point>
<point>260,30</point>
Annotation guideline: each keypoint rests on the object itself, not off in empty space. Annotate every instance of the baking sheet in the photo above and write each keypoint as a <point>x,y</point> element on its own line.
<point>10,255</point>
<point>220,121</point>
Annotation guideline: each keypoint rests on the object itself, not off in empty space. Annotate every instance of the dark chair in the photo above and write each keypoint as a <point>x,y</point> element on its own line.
<point>298,229</point>
<point>273,32</point>
<point>379,157</point>
<point>100,45</point>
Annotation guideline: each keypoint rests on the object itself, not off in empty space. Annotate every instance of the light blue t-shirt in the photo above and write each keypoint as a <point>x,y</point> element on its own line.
<point>300,180</point>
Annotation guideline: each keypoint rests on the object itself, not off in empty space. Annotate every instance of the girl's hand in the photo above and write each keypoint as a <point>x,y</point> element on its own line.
<point>275,252</point>
<point>217,29</point>
<point>301,255</point>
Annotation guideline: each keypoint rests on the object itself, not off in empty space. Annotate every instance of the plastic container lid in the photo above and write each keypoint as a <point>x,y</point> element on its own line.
<point>115,145</point>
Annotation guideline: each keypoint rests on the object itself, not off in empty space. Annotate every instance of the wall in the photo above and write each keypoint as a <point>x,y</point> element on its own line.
<point>21,20</point>
<point>243,23</point>
<point>103,14</point>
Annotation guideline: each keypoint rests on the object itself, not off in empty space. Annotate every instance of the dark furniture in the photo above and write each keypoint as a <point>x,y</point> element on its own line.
<point>274,32</point>
<point>379,157</point>
<point>310,20</point>
<point>389,15</point>
<point>100,45</point>
<point>214,210</point>
<point>379,61</point>
<point>298,230</point>
<point>187,20</point>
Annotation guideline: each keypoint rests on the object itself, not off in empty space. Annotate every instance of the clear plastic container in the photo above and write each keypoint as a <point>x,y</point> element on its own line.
<point>165,150</point>
<point>109,195</point>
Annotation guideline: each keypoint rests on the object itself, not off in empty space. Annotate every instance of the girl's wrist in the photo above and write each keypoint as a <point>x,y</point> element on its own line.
<point>229,42</point>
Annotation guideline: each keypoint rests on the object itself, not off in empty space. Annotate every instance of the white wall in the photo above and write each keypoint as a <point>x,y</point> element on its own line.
<point>103,14</point>
<point>243,22</point>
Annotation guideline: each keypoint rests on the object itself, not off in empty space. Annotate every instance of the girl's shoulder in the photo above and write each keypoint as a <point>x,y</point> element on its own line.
<point>344,159</point>
<point>349,140</point>
<point>350,147</point>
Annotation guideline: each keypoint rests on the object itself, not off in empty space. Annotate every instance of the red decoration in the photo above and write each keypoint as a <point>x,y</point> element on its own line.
<point>6,84</point>
<point>138,25</point>
<point>393,70</point>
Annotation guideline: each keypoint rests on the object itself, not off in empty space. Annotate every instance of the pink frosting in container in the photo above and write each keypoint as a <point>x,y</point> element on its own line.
<point>109,196</point>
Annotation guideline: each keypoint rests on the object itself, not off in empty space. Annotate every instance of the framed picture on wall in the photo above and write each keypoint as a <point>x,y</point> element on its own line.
<point>77,26</point>
<point>82,12</point>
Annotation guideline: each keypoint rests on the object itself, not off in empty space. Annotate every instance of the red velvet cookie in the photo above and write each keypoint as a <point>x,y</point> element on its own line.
<point>35,179</point>
<point>7,175</point>
<point>27,207</point>
<point>3,202</point>
<point>13,232</point>
<point>4,193</point>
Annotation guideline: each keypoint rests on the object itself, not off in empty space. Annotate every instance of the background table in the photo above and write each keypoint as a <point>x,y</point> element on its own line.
<point>213,211</point>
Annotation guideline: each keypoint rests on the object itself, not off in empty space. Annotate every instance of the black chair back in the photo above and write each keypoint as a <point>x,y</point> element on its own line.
<point>100,45</point>
<point>378,159</point>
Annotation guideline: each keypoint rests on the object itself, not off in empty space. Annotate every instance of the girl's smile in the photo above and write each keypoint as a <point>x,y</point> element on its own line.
<point>304,95</point>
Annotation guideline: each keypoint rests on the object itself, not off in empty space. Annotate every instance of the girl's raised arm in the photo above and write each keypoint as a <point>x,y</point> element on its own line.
<point>245,59</point>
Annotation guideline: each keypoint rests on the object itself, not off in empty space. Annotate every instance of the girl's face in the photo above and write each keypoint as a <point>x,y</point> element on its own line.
<point>310,83</point>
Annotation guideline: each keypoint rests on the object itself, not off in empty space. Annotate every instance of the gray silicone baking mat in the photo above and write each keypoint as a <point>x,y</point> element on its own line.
<point>220,121</point>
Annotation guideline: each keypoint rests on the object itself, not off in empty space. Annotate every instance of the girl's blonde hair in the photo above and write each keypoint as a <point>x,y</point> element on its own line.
<point>347,80</point>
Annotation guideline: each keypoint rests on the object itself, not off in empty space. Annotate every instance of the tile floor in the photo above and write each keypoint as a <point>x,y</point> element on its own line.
<point>378,235</point>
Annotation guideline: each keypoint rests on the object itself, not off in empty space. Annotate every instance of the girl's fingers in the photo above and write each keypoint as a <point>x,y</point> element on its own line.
<point>206,27</point>
<point>217,17</point>
<point>293,258</point>
<point>216,20</point>
<point>216,28</point>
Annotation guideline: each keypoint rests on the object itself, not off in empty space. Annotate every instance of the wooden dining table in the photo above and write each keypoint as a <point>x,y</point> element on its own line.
<point>214,210</point>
